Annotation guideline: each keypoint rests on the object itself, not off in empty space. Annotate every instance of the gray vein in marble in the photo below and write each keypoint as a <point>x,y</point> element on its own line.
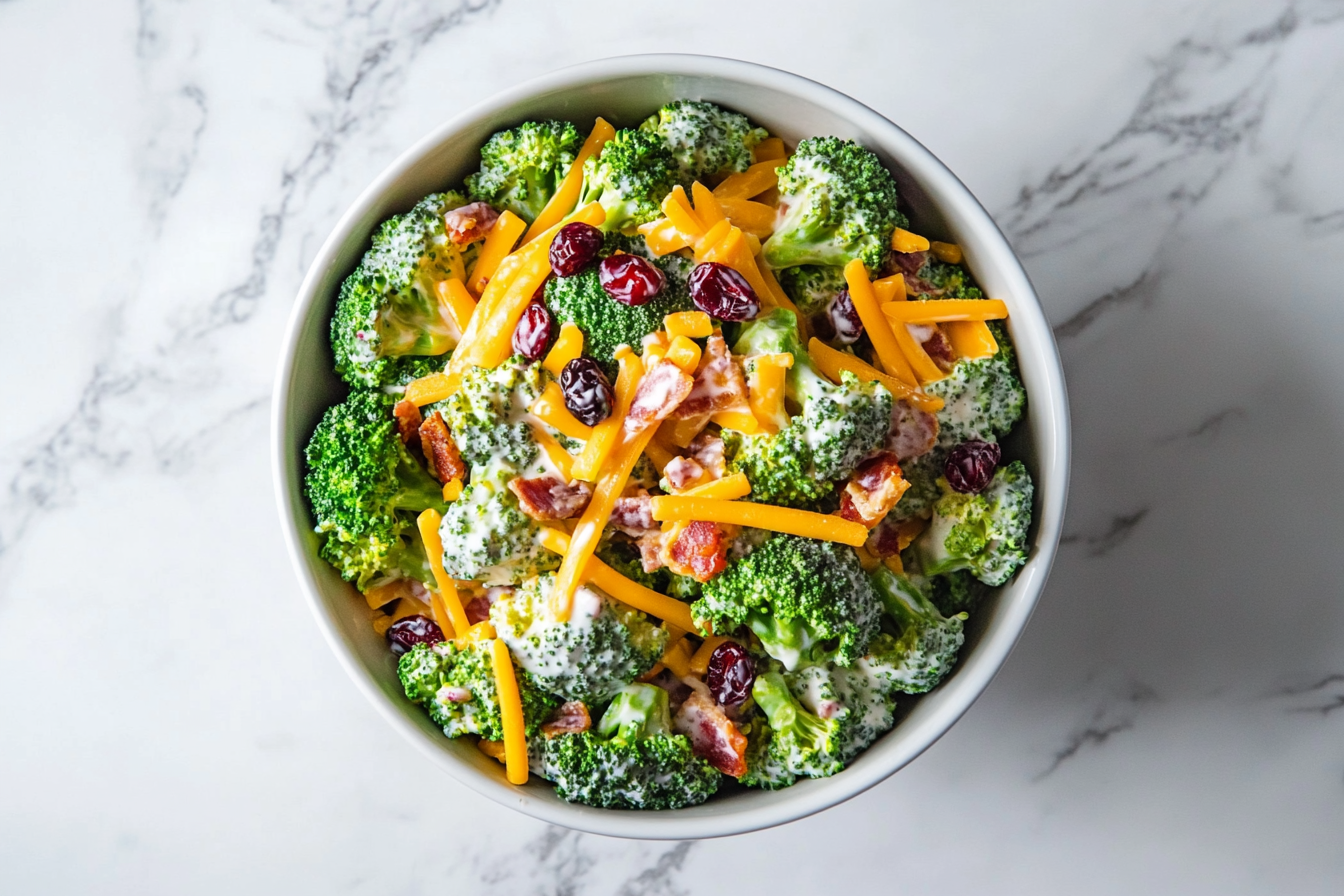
<point>1326,224</point>
<point>561,862</point>
<point>1208,429</point>
<point>657,880</point>
<point>1322,697</point>
<point>372,50</point>
<point>1110,719</point>
<point>1140,291</point>
<point>1117,532</point>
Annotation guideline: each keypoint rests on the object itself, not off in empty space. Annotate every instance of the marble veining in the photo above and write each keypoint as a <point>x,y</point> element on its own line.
<point>1171,177</point>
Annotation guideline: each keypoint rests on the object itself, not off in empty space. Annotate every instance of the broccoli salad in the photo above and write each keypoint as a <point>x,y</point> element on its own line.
<point>670,461</point>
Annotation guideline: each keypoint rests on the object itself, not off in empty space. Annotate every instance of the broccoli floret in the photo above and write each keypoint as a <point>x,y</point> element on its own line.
<point>705,139</point>
<point>363,486</point>
<point>807,600</point>
<point>812,286</point>
<point>765,768</point>
<point>982,399</point>
<point>487,537</point>
<point>632,760</point>
<point>836,428</point>
<point>949,281</point>
<point>801,742</point>
<point>955,592</point>
<point>521,168</point>
<point>457,686</point>
<point>985,533</point>
<point>926,648</point>
<point>605,322</point>
<point>388,307</point>
<point>840,204</point>
<point>630,178</point>
<point>487,415</point>
<point>603,646</point>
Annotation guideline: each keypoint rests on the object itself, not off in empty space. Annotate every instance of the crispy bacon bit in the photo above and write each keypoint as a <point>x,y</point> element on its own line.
<point>940,350</point>
<point>662,388</point>
<point>913,432</point>
<point>633,515</point>
<point>478,609</point>
<point>445,462</point>
<point>719,383</point>
<point>892,536</point>
<point>677,690</point>
<point>700,551</point>
<point>469,223</point>
<point>707,450</point>
<point>873,490</point>
<point>549,498</point>
<point>910,263</point>
<point>683,473</point>
<point>651,551</point>
<point>712,734</point>
<point>571,717</point>
<point>408,420</point>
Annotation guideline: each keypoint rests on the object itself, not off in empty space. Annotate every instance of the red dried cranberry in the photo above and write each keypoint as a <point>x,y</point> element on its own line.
<point>409,631</point>
<point>845,318</point>
<point>722,292</point>
<point>731,673</point>
<point>629,279</point>
<point>533,332</point>
<point>970,466</point>
<point>574,248</point>
<point>588,393</point>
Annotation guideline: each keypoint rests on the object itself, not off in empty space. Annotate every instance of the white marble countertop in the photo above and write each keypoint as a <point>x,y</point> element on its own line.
<point>173,722</point>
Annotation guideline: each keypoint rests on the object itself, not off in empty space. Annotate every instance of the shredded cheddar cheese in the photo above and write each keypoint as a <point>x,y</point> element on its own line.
<point>681,432</point>
<point>943,310</point>
<point>754,181</point>
<point>428,524</point>
<point>499,243</point>
<point>769,149</point>
<point>677,657</point>
<point>452,489</point>
<point>607,433</point>
<point>678,210</point>
<point>707,208</point>
<point>663,237</point>
<point>561,459</point>
<point>889,289</point>
<point>971,339</point>
<point>659,454</point>
<point>510,713</point>
<point>905,241</point>
<point>695,324</point>
<point>568,346</point>
<point>755,218</point>
<point>684,353</point>
<point>729,488</point>
<point>700,661</point>
<point>429,389</point>
<point>832,361</point>
<point>920,362</point>
<point>454,296</point>
<point>948,252</point>
<point>804,523</point>
<point>765,390</point>
<point>875,323</point>
<point>567,194</point>
<point>550,409</point>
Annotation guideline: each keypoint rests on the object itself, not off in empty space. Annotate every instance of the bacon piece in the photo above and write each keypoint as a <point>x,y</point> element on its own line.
<point>677,690</point>
<point>633,515</point>
<point>940,350</point>
<point>712,734</point>
<point>913,432</point>
<point>719,383</point>
<point>570,717</point>
<point>477,609</point>
<point>910,263</point>
<point>408,420</point>
<point>707,450</point>
<point>683,473</point>
<point>445,462</point>
<point>469,223</point>
<point>549,498</point>
<point>662,388</point>
<point>873,490</point>
<point>700,551</point>
<point>651,551</point>
<point>891,536</point>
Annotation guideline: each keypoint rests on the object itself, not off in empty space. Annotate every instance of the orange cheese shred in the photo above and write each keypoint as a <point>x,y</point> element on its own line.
<point>678,210</point>
<point>550,409</point>
<point>659,454</point>
<point>700,660</point>
<point>832,361</point>
<point>729,488</point>
<point>568,346</point>
<point>755,218</point>
<point>498,245</point>
<point>677,656</point>
<point>428,523</point>
<point>943,310</point>
<point>707,207</point>
<point>567,194</point>
<point>904,241</point>
<point>607,433</point>
<point>948,252</point>
<point>663,237</point>
<point>765,390</point>
<point>561,459</point>
<point>755,180</point>
<point>971,339</point>
<point>920,362</point>
<point>875,323</point>
<point>454,296</point>
<point>890,289</point>
<point>429,389</point>
<point>804,523</point>
<point>695,324</point>
<point>738,419</point>
<point>684,353</point>
<point>510,713</point>
<point>769,149</point>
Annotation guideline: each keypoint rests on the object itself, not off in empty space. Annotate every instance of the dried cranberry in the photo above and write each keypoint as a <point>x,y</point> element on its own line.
<point>588,393</point>
<point>533,332</point>
<point>409,631</point>
<point>970,466</point>
<point>845,318</point>
<point>629,279</point>
<point>722,292</point>
<point>731,673</point>
<point>574,248</point>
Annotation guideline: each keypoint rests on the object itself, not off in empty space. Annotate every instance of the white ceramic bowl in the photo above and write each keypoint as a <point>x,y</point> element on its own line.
<point>624,91</point>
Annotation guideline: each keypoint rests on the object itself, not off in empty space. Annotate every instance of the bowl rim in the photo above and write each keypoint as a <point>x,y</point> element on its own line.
<point>992,650</point>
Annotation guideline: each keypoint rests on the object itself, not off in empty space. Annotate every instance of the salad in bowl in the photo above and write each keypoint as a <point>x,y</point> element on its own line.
<point>671,456</point>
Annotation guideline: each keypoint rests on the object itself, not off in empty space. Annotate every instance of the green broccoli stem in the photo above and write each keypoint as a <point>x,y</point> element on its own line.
<point>419,490</point>
<point>637,712</point>
<point>902,599</point>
